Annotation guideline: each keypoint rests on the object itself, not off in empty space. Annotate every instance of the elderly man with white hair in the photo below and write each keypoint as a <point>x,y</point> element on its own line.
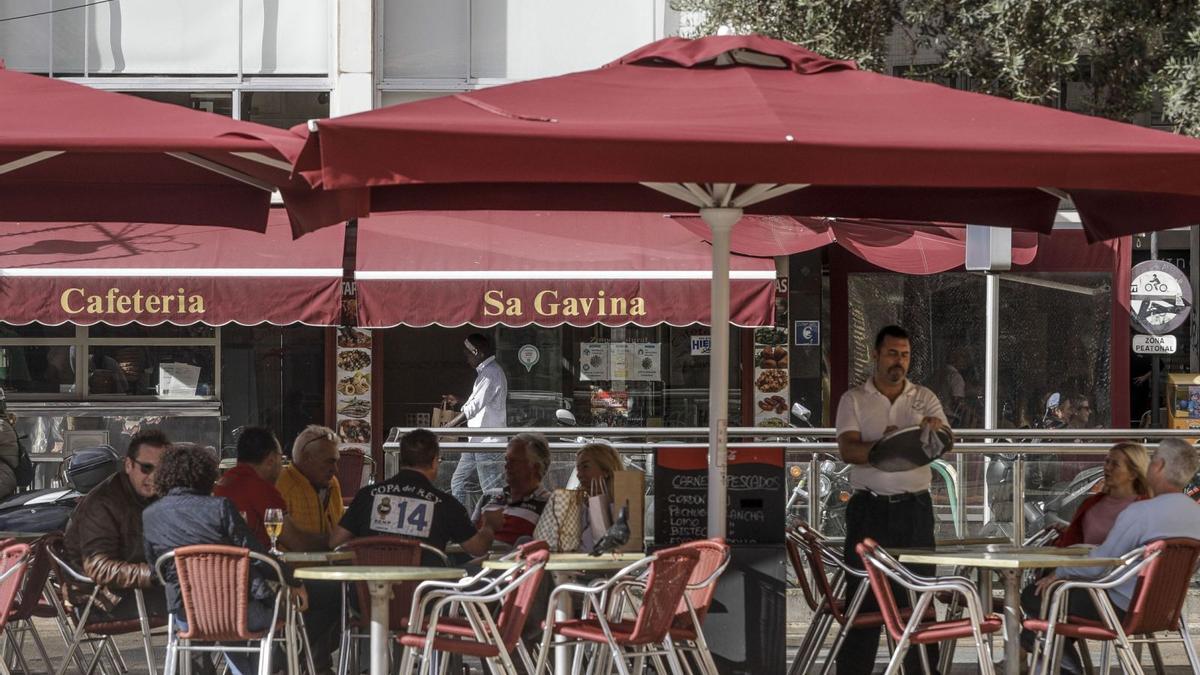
<point>309,485</point>
<point>1169,514</point>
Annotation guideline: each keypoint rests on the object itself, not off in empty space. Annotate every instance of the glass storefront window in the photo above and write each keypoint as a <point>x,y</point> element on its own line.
<point>219,102</point>
<point>41,369</point>
<point>272,376</point>
<point>168,372</point>
<point>1055,336</point>
<point>945,315</point>
<point>284,109</point>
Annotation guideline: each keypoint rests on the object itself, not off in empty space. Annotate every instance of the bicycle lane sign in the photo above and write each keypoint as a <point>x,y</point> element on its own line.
<point>1160,297</point>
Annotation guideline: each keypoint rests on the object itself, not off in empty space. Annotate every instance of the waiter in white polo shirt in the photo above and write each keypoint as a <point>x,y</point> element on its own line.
<point>894,509</point>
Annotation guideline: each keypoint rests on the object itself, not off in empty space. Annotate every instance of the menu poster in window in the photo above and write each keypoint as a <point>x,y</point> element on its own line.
<point>353,403</point>
<point>610,408</point>
<point>593,361</point>
<point>771,378</point>
<point>619,361</point>
<point>756,490</point>
<point>177,380</point>
<point>647,361</point>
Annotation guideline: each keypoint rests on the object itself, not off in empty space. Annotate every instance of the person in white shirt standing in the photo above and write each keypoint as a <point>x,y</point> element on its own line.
<point>486,407</point>
<point>894,509</point>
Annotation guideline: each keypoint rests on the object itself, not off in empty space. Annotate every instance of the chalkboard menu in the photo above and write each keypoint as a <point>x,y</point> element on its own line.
<point>757,494</point>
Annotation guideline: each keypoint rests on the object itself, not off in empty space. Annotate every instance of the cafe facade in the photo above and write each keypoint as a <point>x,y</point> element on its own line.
<point>109,328</point>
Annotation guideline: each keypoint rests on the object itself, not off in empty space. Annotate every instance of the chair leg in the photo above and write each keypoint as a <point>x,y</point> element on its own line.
<point>1085,655</point>
<point>673,657</point>
<point>1105,657</point>
<point>897,660</point>
<point>144,623</point>
<point>619,657</point>
<point>800,661</point>
<point>1189,647</point>
<point>1155,654</point>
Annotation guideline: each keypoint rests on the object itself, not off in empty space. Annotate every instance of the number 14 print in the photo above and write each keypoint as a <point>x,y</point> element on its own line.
<point>406,516</point>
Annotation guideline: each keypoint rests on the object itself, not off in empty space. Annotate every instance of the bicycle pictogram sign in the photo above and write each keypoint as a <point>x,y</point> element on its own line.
<point>1160,297</point>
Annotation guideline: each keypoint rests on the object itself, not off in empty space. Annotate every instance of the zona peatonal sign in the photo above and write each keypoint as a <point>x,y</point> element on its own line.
<point>1160,297</point>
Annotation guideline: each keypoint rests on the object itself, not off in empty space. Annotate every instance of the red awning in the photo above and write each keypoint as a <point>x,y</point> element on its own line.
<point>899,246</point>
<point>119,273</point>
<point>518,268</point>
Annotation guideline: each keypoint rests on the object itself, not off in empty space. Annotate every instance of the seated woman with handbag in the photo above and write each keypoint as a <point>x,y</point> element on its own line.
<point>595,465</point>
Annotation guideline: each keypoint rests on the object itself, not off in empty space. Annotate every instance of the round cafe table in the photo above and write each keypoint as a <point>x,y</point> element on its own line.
<point>379,581</point>
<point>564,566</point>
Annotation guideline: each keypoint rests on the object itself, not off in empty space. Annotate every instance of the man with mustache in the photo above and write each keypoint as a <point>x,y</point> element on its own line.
<point>893,508</point>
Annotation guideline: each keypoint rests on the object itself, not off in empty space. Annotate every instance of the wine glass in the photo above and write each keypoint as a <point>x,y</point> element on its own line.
<point>273,521</point>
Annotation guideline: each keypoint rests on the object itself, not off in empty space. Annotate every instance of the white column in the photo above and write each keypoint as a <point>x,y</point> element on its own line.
<point>720,221</point>
<point>352,59</point>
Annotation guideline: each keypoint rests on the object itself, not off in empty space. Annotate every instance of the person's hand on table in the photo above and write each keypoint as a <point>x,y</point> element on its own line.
<point>1045,582</point>
<point>300,593</point>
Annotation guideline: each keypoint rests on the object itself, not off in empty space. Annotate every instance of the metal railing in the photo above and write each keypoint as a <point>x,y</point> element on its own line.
<point>814,445</point>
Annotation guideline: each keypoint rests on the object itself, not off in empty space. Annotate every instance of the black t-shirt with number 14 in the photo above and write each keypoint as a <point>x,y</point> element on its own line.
<point>408,505</point>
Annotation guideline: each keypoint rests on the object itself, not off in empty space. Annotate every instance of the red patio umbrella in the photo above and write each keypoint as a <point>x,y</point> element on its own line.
<point>899,246</point>
<point>70,152</point>
<point>747,124</point>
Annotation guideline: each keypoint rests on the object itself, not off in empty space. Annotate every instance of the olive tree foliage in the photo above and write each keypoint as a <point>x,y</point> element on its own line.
<point>1123,56</point>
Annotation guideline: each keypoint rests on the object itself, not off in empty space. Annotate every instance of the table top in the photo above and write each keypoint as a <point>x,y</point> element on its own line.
<point>379,573</point>
<point>577,562</point>
<point>1013,559</point>
<point>969,549</point>
<point>315,557</point>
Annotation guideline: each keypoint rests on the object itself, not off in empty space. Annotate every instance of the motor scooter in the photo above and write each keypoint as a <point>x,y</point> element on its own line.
<point>833,484</point>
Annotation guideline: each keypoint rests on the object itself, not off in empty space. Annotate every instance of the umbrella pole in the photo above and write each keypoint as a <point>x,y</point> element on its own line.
<point>720,221</point>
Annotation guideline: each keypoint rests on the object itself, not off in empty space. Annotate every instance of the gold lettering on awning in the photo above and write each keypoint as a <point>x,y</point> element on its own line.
<point>549,303</point>
<point>113,301</point>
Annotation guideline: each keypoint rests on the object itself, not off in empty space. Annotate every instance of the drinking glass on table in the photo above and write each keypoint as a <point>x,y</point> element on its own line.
<point>273,521</point>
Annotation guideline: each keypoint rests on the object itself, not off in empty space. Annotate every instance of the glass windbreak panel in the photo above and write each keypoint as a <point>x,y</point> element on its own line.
<point>166,330</point>
<point>219,102</point>
<point>41,369</point>
<point>284,109</point>
<point>272,376</point>
<point>944,313</point>
<point>166,372</point>
<point>1055,332</point>
<point>36,330</point>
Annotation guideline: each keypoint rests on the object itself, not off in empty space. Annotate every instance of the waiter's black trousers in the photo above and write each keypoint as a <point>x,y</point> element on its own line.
<point>900,521</point>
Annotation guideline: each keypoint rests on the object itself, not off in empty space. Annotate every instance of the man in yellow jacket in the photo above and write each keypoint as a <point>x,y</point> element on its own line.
<point>310,485</point>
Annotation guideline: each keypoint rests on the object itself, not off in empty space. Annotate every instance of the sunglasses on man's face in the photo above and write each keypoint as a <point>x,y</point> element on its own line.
<point>145,467</point>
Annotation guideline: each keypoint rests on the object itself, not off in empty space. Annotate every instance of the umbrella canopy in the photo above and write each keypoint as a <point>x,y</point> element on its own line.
<point>70,152</point>
<point>752,110</point>
<point>899,246</point>
<point>747,124</point>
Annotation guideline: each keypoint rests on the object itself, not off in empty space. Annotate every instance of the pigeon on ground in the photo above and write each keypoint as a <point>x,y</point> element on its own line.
<point>616,536</point>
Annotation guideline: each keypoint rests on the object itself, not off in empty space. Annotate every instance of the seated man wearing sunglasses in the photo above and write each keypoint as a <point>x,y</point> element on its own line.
<point>104,536</point>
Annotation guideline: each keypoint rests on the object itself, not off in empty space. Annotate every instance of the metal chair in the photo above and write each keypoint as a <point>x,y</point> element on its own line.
<point>1164,570</point>
<point>99,634</point>
<point>30,603</point>
<point>917,628</point>
<point>490,639</point>
<point>214,587</point>
<point>833,605</point>
<point>352,465</point>
<point>14,563</point>
<point>378,550</point>
<point>666,585</point>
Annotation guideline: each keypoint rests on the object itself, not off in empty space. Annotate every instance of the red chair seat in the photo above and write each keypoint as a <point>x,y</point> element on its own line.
<point>455,645</point>
<point>457,627</point>
<point>1074,627</point>
<point>951,630</point>
<point>589,629</point>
